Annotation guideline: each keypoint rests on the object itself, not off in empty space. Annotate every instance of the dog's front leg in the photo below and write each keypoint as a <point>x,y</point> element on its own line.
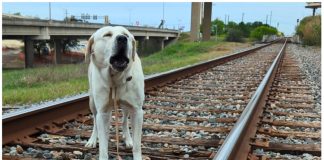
<point>103,124</point>
<point>137,122</point>
<point>92,142</point>
<point>126,134</point>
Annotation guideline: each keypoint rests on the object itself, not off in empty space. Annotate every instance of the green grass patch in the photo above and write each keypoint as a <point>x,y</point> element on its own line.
<point>185,53</point>
<point>34,85</point>
<point>38,84</point>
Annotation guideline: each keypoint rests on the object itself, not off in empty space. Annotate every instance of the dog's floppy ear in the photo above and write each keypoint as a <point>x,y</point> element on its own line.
<point>89,49</point>
<point>134,49</point>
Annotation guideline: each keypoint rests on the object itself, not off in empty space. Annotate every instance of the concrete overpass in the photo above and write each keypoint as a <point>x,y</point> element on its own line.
<point>149,39</point>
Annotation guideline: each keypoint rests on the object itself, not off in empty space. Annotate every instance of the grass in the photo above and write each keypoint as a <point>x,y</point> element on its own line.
<point>185,53</point>
<point>28,86</point>
<point>39,84</point>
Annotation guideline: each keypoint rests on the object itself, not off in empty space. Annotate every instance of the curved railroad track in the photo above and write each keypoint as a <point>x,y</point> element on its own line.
<point>189,113</point>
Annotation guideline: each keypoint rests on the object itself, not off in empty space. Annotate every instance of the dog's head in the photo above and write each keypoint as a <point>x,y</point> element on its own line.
<point>112,46</point>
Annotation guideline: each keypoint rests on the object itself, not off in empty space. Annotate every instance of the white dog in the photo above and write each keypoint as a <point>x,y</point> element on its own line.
<point>115,65</point>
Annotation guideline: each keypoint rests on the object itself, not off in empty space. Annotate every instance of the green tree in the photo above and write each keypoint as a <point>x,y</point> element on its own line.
<point>232,25</point>
<point>17,14</point>
<point>257,24</point>
<point>219,25</point>
<point>258,32</point>
<point>244,29</point>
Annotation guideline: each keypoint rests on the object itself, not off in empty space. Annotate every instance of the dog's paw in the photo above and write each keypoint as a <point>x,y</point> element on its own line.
<point>129,143</point>
<point>137,156</point>
<point>92,143</point>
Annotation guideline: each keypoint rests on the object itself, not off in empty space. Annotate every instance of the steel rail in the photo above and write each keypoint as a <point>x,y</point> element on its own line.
<point>18,126</point>
<point>236,145</point>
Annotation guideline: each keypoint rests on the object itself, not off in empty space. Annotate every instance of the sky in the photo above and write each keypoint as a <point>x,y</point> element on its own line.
<point>175,14</point>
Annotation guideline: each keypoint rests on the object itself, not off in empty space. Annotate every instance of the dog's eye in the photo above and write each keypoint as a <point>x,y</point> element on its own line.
<point>108,34</point>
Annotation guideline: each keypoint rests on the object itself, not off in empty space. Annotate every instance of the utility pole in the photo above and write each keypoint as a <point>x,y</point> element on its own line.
<point>267,20</point>
<point>225,19</point>
<point>163,12</point>
<point>66,14</point>
<point>270,17</point>
<point>228,18</point>
<point>242,17</point>
<point>277,25</point>
<point>49,10</point>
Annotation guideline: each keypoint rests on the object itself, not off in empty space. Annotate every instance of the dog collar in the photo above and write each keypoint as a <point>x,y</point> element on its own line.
<point>127,79</point>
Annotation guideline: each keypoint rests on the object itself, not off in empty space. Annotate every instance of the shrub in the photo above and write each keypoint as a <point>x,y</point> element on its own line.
<point>258,32</point>
<point>309,30</point>
<point>234,35</point>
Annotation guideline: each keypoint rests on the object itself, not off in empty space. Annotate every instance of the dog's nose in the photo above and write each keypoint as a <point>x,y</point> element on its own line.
<point>121,39</point>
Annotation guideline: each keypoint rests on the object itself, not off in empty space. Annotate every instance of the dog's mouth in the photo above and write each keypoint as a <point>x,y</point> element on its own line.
<point>119,62</point>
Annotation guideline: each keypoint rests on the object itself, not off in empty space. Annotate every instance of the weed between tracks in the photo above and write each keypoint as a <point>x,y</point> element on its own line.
<point>40,84</point>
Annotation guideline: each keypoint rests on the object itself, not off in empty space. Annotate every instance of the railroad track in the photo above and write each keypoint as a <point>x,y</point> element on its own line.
<point>188,114</point>
<point>290,127</point>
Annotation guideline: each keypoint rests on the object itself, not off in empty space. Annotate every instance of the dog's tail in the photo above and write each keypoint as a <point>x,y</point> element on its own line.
<point>89,50</point>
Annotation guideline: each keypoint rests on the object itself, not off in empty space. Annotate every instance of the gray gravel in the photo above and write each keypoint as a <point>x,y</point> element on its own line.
<point>309,58</point>
<point>277,155</point>
<point>223,74</point>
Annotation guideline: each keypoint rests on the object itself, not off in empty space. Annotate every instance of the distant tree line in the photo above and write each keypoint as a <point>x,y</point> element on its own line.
<point>235,32</point>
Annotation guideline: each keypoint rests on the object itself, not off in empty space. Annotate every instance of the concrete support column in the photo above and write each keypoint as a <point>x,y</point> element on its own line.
<point>29,53</point>
<point>170,41</point>
<point>206,24</point>
<point>149,46</point>
<point>58,47</point>
<point>195,20</point>
<point>141,46</point>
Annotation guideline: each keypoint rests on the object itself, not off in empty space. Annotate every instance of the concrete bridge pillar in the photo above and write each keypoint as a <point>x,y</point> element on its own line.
<point>169,41</point>
<point>206,25</point>
<point>58,47</point>
<point>196,16</point>
<point>195,20</point>
<point>29,52</point>
<point>147,46</point>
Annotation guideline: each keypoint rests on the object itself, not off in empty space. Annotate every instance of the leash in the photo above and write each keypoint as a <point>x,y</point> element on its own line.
<point>115,99</point>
